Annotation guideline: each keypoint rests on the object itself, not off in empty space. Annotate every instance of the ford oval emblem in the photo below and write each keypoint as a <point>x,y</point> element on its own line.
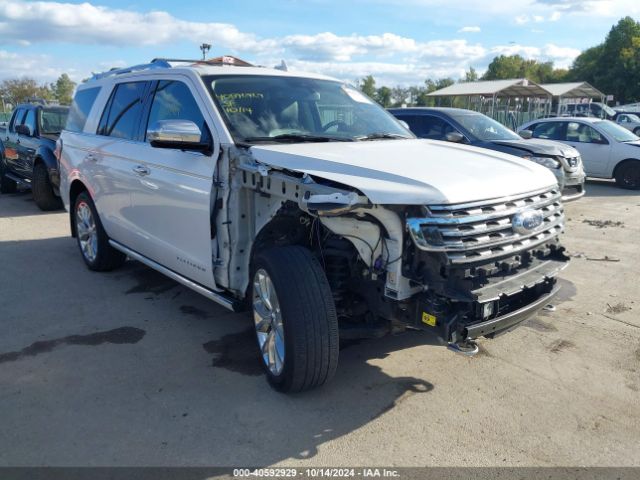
<point>527,221</point>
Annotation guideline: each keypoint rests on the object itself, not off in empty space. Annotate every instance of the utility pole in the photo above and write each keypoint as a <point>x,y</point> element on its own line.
<point>205,47</point>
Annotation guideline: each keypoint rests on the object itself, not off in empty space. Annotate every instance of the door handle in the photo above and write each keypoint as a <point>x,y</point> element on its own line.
<point>141,170</point>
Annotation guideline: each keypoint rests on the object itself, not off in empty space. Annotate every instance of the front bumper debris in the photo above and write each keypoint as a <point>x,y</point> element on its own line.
<point>500,305</point>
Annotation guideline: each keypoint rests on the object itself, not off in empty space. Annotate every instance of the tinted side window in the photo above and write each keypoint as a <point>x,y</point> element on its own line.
<point>579,132</point>
<point>80,108</point>
<point>30,120</point>
<point>415,123</point>
<point>173,101</point>
<point>548,130</point>
<point>435,128</point>
<point>121,116</point>
<point>16,119</point>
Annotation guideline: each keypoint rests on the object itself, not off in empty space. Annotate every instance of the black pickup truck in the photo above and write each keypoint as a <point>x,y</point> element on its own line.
<point>27,145</point>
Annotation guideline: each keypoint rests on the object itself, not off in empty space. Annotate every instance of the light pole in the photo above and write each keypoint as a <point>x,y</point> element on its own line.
<point>205,47</point>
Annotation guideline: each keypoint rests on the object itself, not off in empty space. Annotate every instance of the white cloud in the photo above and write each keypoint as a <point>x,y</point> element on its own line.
<point>328,46</point>
<point>555,16</point>
<point>391,58</point>
<point>562,57</point>
<point>86,23</point>
<point>40,67</point>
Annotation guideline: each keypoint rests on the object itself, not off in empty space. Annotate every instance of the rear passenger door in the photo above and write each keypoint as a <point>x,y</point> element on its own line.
<point>171,188</point>
<point>110,164</point>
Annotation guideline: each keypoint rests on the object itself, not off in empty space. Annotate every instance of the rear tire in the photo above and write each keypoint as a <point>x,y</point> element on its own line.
<point>300,308</point>
<point>42,189</point>
<point>6,184</point>
<point>93,241</point>
<point>628,175</point>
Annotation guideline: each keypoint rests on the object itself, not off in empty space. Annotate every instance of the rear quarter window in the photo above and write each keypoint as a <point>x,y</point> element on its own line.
<point>80,108</point>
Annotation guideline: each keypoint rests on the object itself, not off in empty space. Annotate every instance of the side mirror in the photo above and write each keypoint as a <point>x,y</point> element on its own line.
<point>455,137</point>
<point>526,134</point>
<point>24,130</point>
<point>178,134</point>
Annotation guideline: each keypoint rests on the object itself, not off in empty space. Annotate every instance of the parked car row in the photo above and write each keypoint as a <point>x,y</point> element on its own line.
<point>473,128</point>
<point>570,147</point>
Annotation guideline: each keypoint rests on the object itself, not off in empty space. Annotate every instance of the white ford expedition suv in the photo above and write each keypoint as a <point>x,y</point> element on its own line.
<point>297,197</point>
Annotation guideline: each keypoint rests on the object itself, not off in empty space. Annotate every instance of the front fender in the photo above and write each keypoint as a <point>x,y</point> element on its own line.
<point>46,156</point>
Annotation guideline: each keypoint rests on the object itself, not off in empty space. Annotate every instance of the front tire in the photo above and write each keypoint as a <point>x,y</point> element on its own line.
<point>42,189</point>
<point>93,241</point>
<point>628,175</point>
<point>637,131</point>
<point>295,319</point>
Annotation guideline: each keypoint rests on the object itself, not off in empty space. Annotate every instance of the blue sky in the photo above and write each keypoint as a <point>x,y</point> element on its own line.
<point>400,42</point>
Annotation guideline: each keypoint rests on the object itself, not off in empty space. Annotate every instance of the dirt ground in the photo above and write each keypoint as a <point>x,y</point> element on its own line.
<point>129,368</point>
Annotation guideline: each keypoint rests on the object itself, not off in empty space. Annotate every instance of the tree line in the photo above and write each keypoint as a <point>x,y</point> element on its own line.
<point>613,67</point>
<point>19,90</point>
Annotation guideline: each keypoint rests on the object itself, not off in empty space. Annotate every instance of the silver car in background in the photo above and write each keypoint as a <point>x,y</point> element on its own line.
<point>607,149</point>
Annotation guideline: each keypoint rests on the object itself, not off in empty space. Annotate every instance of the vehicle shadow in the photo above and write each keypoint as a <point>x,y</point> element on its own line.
<point>188,389</point>
<point>20,204</point>
<point>607,188</point>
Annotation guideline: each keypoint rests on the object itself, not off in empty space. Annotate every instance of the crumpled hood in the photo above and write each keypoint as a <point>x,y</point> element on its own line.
<point>541,146</point>
<point>411,172</point>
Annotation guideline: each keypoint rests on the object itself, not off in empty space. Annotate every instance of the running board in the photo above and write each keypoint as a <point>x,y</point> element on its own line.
<point>22,181</point>
<point>221,299</point>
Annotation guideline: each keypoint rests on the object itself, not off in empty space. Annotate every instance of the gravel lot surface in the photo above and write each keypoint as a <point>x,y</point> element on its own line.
<point>130,368</point>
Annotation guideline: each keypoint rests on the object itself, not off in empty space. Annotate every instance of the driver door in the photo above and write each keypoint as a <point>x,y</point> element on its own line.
<point>594,148</point>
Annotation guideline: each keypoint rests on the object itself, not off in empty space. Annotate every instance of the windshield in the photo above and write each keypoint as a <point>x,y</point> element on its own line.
<point>620,134</point>
<point>53,120</point>
<point>484,128</point>
<point>260,108</point>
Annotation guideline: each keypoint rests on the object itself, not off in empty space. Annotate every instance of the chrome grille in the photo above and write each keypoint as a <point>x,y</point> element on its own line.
<point>483,230</point>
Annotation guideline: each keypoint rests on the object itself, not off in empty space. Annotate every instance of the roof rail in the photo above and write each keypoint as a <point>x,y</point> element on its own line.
<point>155,63</point>
<point>223,60</point>
<point>166,63</point>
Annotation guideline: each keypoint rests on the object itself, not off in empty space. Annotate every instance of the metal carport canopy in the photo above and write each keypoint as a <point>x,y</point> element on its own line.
<point>519,87</point>
<point>572,90</point>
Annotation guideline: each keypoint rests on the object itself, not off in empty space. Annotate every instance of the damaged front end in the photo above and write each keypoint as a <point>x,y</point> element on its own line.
<point>486,266</point>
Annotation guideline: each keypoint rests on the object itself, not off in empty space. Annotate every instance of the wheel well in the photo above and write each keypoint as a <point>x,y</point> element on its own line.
<point>77,187</point>
<point>623,162</point>
<point>290,226</point>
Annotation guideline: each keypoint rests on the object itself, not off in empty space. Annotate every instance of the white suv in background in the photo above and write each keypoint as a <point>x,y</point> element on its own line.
<point>300,198</point>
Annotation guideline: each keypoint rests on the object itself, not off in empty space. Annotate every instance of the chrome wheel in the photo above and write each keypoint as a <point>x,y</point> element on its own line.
<point>86,230</point>
<point>268,322</point>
